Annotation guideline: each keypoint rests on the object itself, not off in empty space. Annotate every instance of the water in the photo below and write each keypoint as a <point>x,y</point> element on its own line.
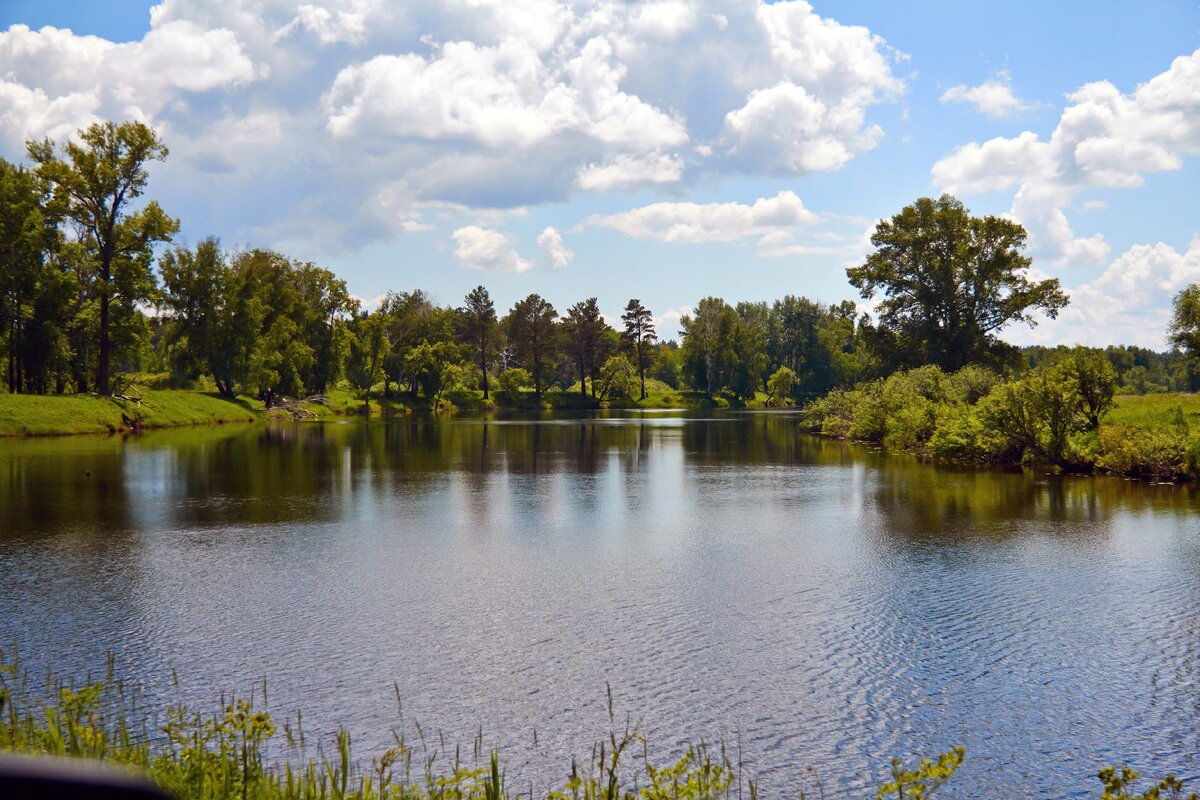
<point>730,577</point>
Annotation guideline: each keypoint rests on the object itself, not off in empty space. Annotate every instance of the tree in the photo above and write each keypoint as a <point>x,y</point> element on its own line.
<point>533,336</point>
<point>639,336</point>
<point>708,344</point>
<point>780,385</point>
<point>1184,331</point>
<point>34,290</point>
<point>478,327</point>
<point>196,294</point>
<point>950,281</point>
<point>369,348</point>
<point>1095,381</point>
<point>583,333</point>
<point>93,184</point>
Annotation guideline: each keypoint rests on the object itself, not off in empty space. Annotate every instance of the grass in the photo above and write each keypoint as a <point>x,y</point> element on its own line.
<point>42,415</point>
<point>235,750</point>
<point>1156,410</point>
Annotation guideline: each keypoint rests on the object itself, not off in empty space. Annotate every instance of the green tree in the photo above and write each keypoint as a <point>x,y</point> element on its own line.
<point>583,336</point>
<point>639,336</point>
<point>950,281</point>
<point>708,344</point>
<point>196,297</point>
<point>616,377</point>
<point>369,348</point>
<point>780,385</point>
<point>479,328</point>
<point>1095,381</point>
<point>1183,334</point>
<point>434,367</point>
<point>94,183</point>
<point>34,290</point>
<point>323,310</point>
<point>533,337</point>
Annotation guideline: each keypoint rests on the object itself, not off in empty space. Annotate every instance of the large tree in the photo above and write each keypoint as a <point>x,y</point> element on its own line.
<point>639,336</point>
<point>533,336</point>
<point>478,328</point>
<point>583,333</point>
<point>94,184</point>
<point>950,282</point>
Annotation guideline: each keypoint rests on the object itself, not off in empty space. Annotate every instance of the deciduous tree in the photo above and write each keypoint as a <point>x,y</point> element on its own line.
<point>94,183</point>
<point>950,281</point>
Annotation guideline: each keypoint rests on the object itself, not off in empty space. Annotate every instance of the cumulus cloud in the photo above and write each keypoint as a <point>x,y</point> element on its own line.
<point>487,250</point>
<point>766,218</point>
<point>1104,139</point>
<point>993,98</point>
<point>627,171</point>
<point>55,82</point>
<point>1129,303</point>
<point>314,113</point>
<point>551,249</point>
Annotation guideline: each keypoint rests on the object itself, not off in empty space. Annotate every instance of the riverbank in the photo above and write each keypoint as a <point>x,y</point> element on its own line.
<point>57,415</point>
<point>1154,436</point>
<point>60,415</point>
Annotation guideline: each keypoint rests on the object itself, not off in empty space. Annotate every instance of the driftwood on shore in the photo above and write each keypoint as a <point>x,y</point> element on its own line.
<point>296,408</point>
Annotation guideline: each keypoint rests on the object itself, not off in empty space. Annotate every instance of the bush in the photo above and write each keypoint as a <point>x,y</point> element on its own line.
<point>1151,452</point>
<point>514,381</point>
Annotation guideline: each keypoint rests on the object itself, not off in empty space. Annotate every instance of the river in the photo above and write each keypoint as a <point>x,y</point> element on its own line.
<point>808,602</point>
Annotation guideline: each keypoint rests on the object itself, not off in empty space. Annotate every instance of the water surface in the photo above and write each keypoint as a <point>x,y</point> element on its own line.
<point>729,576</point>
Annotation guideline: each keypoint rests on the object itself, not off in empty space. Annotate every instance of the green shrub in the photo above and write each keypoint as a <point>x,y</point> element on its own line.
<point>1138,450</point>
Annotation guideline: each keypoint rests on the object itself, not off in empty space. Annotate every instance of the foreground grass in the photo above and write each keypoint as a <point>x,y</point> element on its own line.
<point>41,415</point>
<point>227,752</point>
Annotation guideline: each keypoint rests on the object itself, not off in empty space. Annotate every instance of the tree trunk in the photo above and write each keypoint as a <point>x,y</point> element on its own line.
<point>483,369</point>
<point>102,369</point>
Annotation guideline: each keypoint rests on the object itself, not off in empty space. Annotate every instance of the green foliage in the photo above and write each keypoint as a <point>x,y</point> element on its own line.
<point>780,385</point>
<point>1119,785</point>
<point>922,782</point>
<point>949,282</point>
<point>478,327</point>
<point>514,381</point>
<point>638,336</point>
<point>535,340</point>
<point>93,184</point>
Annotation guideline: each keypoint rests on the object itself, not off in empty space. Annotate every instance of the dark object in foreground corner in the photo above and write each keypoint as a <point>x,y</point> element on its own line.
<point>45,778</point>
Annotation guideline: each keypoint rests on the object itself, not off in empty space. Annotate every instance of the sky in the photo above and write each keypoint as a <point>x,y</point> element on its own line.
<point>661,150</point>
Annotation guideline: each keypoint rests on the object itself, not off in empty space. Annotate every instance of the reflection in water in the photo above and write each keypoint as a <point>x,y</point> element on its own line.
<point>727,574</point>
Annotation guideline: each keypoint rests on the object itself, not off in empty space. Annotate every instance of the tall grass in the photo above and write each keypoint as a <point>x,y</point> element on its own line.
<point>224,754</point>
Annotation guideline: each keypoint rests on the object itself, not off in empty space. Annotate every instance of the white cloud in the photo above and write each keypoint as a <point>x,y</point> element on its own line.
<point>1129,303</point>
<point>1104,139</point>
<point>785,128</point>
<point>503,96</point>
<point>346,25</point>
<point>771,218</point>
<point>993,98</point>
<point>487,250</point>
<point>666,324</point>
<point>55,81</point>
<point>811,116</point>
<point>312,112</point>
<point>626,171</point>
<point>551,249</point>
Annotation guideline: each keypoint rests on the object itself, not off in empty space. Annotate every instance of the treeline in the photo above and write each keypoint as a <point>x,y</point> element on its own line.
<point>92,292</point>
<point>89,297</point>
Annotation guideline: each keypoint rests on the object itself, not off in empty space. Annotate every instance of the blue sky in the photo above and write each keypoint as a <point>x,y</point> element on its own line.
<point>664,150</point>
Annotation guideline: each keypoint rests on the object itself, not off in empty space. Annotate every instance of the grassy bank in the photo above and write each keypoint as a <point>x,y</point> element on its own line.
<point>43,415</point>
<point>1062,416</point>
<point>237,749</point>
